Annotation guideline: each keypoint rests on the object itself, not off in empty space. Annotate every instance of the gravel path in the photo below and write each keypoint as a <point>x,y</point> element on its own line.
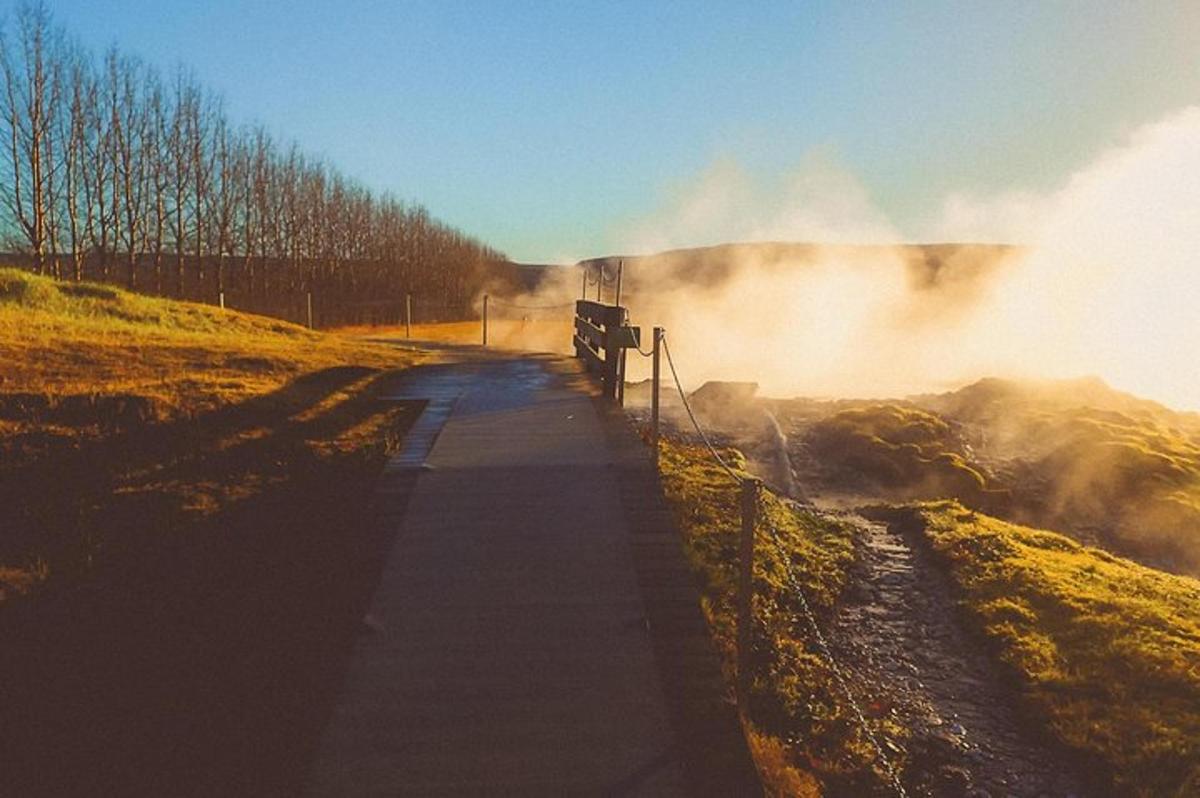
<point>897,632</point>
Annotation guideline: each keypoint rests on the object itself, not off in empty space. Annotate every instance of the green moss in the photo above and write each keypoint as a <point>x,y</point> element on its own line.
<point>908,452</point>
<point>1107,651</point>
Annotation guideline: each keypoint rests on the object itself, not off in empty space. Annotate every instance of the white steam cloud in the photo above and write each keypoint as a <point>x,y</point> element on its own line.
<point>1107,280</point>
<point>1112,283</point>
<point>819,201</point>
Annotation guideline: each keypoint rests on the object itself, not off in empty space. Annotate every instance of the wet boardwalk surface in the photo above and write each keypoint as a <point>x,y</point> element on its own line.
<point>507,648</point>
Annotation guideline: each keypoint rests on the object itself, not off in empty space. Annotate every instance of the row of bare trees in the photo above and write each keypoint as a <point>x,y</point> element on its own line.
<point>109,172</point>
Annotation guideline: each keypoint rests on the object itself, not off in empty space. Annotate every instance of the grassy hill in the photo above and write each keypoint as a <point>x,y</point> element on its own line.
<point>1076,456</point>
<point>116,406</point>
<point>188,542</point>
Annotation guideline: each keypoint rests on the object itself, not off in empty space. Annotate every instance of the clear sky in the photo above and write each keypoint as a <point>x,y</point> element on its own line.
<point>548,129</point>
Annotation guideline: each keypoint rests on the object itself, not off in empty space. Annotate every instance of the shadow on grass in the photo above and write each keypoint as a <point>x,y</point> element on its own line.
<point>200,652</point>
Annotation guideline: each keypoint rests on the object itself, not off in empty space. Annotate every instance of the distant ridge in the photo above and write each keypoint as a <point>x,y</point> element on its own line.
<point>926,262</point>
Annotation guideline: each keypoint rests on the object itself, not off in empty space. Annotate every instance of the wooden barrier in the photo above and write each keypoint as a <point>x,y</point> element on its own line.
<point>601,336</point>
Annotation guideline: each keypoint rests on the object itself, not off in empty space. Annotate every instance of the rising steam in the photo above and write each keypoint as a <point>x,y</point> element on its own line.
<point>1105,281</point>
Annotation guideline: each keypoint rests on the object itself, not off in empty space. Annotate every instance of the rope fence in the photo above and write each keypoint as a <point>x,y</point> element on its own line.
<point>750,506</point>
<point>695,423</point>
<point>513,305</point>
<point>839,675</point>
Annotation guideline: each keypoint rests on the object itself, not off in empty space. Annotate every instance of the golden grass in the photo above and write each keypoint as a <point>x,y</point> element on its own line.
<point>536,335</point>
<point>793,693</point>
<point>59,339</point>
<point>123,415</point>
<point>1106,651</point>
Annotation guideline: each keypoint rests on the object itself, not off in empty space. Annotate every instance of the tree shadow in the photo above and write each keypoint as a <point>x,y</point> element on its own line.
<point>202,654</point>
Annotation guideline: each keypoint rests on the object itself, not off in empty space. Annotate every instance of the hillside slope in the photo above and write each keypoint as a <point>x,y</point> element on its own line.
<point>107,395</point>
<point>1107,468</point>
<point>188,541</point>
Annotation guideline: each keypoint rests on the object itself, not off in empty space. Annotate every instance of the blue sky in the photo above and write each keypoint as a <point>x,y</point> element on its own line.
<point>549,129</point>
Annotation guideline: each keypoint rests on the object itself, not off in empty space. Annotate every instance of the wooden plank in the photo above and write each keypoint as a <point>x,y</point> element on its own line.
<point>598,314</point>
<point>524,678</point>
<point>590,359</point>
<point>595,324</point>
<point>612,370</point>
<point>591,333</point>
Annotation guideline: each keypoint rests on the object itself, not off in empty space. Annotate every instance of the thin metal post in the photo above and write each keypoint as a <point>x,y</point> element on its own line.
<point>408,315</point>
<point>655,380</point>
<point>621,378</point>
<point>485,304</point>
<point>745,594</point>
<point>623,319</point>
<point>308,299</point>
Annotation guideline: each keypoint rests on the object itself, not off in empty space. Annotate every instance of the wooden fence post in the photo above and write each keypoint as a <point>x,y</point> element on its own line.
<point>623,318</point>
<point>408,315</point>
<point>655,380</point>
<point>612,355</point>
<point>485,309</point>
<point>745,594</point>
<point>308,300</point>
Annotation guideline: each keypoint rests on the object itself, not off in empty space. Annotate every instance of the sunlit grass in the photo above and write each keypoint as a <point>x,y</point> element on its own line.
<point>793,693</point>
<point>538,335</point>
<point>1105,651</point>
<point>60,338</point>
<point>904,450</point>
<point>123,415</point>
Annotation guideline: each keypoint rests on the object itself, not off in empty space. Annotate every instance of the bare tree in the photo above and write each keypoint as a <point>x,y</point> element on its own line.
<point>223,194</point>
<point>156,153</point>
<point>198,126</point>
<point>99,160</point>
<point>123,84</point>
<point>98,177</point>
<point>185,97</point>
<point>73,122</point>
<point>29,106</point>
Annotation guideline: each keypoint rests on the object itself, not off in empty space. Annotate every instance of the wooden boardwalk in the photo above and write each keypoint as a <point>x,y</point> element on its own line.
<point>535,631</point>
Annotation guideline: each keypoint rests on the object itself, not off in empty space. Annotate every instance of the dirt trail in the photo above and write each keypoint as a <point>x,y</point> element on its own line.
<point>897,635</point>
<point>897,632</point>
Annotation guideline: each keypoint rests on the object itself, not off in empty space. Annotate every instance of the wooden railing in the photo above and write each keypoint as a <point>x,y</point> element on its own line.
<point>601,338</point>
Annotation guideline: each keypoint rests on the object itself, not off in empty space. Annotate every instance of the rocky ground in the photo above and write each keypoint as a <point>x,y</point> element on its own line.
<point>898,638</point>
<point>896,633</point>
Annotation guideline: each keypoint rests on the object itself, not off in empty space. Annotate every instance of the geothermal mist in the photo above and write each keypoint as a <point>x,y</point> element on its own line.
<point>1106,283</point>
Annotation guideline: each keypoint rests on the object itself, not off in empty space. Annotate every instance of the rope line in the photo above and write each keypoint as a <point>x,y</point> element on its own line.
<point>790,575</point>
<point>688,407</point>
<point>507,304</point>
<point>838,675</point>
